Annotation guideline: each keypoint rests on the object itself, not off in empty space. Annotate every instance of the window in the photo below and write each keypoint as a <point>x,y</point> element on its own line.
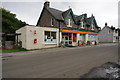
<point>116,37</point>
<point>53,35</point>
<point>82,25</point>
<point>69,22</point>
<point>70,36</point>
<point>50,37</point>
<point>47,34</point>
<point>52,22</point>
<point>81,34</point>
<point>116,31</point>
<point>66,37</point>
<point>92,27</point>
<point>108,31</point>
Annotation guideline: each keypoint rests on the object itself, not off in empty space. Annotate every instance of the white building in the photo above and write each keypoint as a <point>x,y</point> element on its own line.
<point>108,34</point>
<point>33,37</point>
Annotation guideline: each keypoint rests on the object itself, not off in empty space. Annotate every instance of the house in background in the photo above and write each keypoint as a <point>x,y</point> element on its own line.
<point>73,29</point>
<point>56,27</point>
<point>108,34</point>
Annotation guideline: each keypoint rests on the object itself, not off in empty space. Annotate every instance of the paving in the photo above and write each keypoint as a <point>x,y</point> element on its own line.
<point>70,62</point>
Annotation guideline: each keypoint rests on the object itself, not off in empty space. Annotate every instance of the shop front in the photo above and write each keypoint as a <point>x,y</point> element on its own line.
<point>75,38</point>
<point>69,39</point>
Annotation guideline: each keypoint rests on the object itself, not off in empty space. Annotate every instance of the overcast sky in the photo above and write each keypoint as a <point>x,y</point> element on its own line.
<point>30,10</point>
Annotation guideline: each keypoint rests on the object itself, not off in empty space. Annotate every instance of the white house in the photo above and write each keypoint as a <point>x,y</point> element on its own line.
<point>108,34</point>
<point>33,37</point>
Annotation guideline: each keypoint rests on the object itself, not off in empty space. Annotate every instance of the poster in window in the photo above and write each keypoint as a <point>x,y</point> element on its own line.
<point>50,37</point>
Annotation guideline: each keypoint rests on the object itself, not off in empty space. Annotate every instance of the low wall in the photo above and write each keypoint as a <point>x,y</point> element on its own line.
<point>9,44</point>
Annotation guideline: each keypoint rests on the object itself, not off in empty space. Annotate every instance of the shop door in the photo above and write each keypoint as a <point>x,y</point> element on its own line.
<point>74,37</point>
<point>67,38</point>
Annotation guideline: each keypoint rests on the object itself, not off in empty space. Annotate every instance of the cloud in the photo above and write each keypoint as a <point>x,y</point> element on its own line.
<point>103,10</point>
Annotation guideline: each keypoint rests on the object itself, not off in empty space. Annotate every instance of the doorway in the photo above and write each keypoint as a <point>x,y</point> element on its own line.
<point>67,38</point>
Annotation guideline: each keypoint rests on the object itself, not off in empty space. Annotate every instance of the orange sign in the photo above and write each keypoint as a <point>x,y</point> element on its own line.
<point>71,31</point>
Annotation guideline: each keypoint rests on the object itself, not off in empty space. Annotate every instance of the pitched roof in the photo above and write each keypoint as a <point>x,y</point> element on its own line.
<point>113,28</point>
<point>61,15</point>
<point>78,17</point>
<point>64,14</point>
<point>87,20</point>
<point>56,13</point>
<point>90,20</point>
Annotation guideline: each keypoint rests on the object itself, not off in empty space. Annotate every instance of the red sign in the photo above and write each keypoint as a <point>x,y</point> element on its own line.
<point>34,31</point>
<point>35,41</point>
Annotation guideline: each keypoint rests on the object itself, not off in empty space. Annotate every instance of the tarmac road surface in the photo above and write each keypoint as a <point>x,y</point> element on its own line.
<point>70,62</point>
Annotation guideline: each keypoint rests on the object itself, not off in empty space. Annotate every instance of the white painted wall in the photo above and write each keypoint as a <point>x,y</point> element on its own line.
<point>115,34</point>
<point>107,35</point>
<point>86,38</point>
<point>60,36</point>
<point>22,37</point>
<point>27,37</point>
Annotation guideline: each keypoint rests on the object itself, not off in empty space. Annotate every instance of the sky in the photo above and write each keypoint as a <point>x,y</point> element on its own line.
<point>30,10</point>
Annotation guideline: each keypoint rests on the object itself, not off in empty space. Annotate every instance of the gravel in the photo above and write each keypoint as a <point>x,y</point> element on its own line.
<point>109,70</point>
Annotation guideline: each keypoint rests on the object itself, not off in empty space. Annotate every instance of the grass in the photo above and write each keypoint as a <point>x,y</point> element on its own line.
<point>12,50</point>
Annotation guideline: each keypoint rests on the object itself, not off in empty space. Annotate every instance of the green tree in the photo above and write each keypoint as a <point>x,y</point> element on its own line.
<point>9,22</point>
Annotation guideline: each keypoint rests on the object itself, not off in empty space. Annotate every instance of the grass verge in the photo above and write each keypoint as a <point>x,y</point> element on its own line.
<point>12,50</point>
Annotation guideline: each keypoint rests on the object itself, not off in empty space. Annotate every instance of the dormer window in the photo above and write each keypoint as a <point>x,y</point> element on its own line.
<point>82,25</point>
<point>92,27</point>
<point>69,23</point>
<point>52,22</point>
<point>116,31</point>
<point>109,31</point>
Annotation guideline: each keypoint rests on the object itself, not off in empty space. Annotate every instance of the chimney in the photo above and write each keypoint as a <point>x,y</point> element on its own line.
<point>92,15</point>
<point>112,26</point>
<point>105,24</point>
<point>46,4</point>
<point>85,15</point>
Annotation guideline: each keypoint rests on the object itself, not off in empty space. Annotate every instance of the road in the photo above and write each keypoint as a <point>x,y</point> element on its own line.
<point>69,62</point>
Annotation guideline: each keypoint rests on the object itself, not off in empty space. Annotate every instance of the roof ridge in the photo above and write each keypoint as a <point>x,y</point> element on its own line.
<point>55,9</point>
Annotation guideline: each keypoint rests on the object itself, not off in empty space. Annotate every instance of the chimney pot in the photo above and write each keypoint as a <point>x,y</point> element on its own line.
<point>85,15</point>
<point>46,4</point>
<point>105,24</point>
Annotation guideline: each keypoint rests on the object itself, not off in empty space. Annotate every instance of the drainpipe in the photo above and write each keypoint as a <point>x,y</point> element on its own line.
<point>59,34</point>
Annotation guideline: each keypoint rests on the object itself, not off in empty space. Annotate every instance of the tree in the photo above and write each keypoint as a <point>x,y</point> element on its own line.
<point>9,22</point>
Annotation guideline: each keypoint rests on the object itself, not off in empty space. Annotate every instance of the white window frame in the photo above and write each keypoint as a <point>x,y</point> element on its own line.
<point>109,31</point>
<point>92,26</point>
<point>52,21</point>
<point>54,40</point>
<point>82,24</point>
<point>69,23</point>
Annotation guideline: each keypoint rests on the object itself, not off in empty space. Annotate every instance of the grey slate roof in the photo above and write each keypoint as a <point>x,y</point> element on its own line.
<point>56,13</point>
<point>90,20</point>
<point>60,15</point>
<point>113,28</point>
<point>65,13</point>
<point>78,17</point>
